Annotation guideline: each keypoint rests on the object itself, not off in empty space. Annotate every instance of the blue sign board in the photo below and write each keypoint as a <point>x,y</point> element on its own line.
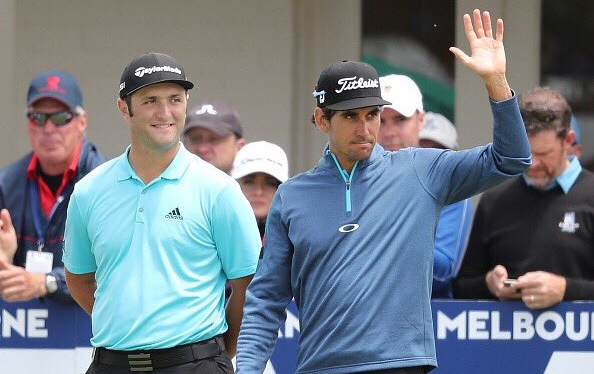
<point>471,337</point>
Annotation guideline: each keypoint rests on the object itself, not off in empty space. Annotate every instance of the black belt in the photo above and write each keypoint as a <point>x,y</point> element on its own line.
<point>151,359</point>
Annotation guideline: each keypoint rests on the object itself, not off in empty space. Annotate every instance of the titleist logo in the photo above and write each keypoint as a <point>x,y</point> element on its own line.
<point>352,83</point>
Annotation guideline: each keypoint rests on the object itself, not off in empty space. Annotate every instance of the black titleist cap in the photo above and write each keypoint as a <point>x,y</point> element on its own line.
<point>152,68</point>
<point>348,85</point>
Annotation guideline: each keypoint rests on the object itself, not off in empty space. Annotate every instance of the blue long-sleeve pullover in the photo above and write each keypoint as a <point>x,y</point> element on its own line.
<point>451,237</point>
<point>362,278</point>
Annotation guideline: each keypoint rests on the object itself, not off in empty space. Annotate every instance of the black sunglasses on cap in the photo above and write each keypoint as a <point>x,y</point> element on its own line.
<point>61,118</point>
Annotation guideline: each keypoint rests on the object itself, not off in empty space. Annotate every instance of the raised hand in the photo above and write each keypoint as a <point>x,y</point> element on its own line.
<point>487,55</point>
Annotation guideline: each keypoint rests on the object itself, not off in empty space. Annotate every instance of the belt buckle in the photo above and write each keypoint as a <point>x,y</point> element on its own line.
<point>140,362</point>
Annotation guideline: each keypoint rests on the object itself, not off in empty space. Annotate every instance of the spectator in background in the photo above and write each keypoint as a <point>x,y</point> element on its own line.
<point>401,124</point>
<point>455,219</point>
<point>402,120</point>
<point>576,147</point>
<point>35,190</point>
<point>213,131</point>
<point>260,167</point>
<point>537,227</point>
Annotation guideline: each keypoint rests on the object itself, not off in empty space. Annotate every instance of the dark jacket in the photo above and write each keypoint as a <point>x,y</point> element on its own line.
<point>15,196</point>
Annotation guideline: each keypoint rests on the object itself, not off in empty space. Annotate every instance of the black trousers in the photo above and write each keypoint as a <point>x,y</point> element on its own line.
<point>212,365</point>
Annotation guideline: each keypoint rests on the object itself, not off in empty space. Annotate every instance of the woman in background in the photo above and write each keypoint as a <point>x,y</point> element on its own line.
<point>260,167</point>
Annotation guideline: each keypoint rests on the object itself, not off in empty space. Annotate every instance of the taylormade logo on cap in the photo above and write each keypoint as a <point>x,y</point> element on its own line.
<point>141,71</point>
<point>151,68</point>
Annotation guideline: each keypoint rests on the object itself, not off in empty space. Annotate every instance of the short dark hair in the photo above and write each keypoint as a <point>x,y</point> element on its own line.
<point>545,109</point>
<point>128,100</point>
<point>328,113</point>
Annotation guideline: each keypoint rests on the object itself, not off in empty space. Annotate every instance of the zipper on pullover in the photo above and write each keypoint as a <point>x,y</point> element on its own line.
<point>348,179</point>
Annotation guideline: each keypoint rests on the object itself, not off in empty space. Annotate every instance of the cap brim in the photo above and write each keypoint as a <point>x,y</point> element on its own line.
<point>220,128</point>
<point>435,138</point>
<point>360,102</point>
<point>407,112</point>
<point>258,167</point>
<point>38,97</point>
<point>184,83</point>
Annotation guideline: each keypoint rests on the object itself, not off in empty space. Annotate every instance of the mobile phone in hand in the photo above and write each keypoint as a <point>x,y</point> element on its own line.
<point>509,282</point>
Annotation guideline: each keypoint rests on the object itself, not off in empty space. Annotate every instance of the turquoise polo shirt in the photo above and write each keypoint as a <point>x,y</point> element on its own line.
<point>161,251</point>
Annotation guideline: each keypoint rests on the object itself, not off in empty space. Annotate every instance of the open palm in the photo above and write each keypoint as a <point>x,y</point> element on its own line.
<point>487,55</point>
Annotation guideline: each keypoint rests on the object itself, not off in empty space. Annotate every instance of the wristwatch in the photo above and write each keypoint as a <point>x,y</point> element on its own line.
<point>51,284</point>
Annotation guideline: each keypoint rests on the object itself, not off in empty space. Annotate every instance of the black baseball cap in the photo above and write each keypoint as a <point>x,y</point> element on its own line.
<point>151,68</point>
<point>348,85</point>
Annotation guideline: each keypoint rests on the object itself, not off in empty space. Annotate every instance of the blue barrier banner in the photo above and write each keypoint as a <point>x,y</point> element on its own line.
<point>471,337</point>
<point>507,337</point>
<point>43,324</point>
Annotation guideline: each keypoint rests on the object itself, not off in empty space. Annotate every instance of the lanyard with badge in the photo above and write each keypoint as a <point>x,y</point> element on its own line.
<point>39,261</point>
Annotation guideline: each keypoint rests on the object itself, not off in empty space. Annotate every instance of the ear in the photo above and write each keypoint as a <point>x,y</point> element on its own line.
<point>123,108</point>
<point>421,120</point>
<point>568,141</point>
<point>322,122</point>
<point>83,121</point>
<point>240,143</point>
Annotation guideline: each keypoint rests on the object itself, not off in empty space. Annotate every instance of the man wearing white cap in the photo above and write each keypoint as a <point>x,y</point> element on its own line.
<point>402,120</point>
<point>401,123</point>
<point>455,219</point>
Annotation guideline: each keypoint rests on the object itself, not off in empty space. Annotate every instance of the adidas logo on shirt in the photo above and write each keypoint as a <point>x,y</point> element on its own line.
<point>174,214</point>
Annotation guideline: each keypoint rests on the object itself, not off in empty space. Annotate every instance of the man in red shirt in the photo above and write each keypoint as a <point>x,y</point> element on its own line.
<point>35,190</point>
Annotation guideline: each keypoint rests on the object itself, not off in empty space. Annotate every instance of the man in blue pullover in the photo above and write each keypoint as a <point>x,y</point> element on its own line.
<point>356,258</point>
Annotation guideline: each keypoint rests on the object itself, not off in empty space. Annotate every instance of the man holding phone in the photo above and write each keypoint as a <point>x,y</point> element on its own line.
<point>536,227</point>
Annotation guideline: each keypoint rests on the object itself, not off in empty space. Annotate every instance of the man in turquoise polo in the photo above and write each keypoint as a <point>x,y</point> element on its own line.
<point>152,237</point>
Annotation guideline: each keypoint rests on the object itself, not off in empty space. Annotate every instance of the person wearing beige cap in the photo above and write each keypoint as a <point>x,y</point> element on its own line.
<point>455,219</point>
<point>213,131</point>
<point>260,167</point>
<point>402,124</point>
<point>438,132</point>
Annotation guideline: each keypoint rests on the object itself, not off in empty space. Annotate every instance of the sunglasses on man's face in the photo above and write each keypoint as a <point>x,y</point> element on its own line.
<point>61,118</point>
